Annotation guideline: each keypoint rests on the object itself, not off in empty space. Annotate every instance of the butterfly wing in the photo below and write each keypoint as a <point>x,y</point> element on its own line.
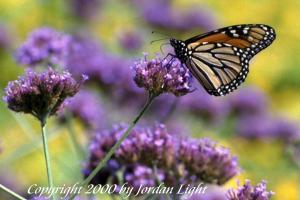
<point>220,59</point>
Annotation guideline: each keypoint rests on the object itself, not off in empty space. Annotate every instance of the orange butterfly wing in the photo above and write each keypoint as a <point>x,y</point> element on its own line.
<point>220,59</point>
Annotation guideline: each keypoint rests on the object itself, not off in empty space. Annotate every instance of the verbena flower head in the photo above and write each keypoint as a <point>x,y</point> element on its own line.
<point>249,192</point>
<point>148,146</point>
<point>208,161</point>
<point>178,160</point>
<point>160,75</point>
<point>137,175</point>
<point>40,94</point>
<point>44,45</point>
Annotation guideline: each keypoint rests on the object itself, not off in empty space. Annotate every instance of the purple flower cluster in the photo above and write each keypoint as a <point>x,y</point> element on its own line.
<point>160,13</point>
<point>44,46</point>
<point>149,145</point>
<point>160,75</point>
<point>189,161</point>
<point>86,106</point>
<point>40,94</point>
<point>204,157</point>
<point>249,192</point>
<point>138,175</point>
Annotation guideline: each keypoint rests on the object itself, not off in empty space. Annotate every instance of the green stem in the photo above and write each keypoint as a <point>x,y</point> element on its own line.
<point>116,146</point>
<point>47,157</point>
<point>12,193</point>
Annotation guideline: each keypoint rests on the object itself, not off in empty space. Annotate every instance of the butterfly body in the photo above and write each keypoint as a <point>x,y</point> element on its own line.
<point>219,60</point>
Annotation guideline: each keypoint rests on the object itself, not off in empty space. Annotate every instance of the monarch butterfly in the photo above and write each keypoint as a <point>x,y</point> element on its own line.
<point>220,59</point>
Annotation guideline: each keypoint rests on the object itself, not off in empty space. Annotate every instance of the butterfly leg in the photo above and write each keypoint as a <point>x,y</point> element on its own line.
<point>170,54</point>
<point>171,60</point>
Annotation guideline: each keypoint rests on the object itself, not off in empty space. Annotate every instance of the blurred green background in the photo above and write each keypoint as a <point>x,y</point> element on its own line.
<point>276,71</point>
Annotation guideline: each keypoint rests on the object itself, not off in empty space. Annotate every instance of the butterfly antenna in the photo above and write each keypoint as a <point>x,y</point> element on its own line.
<point>160,33</point>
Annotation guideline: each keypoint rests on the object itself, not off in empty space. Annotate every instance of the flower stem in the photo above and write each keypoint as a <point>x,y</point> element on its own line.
<point>47,157</point>
<point>117,145</point>
<point>12,193</point>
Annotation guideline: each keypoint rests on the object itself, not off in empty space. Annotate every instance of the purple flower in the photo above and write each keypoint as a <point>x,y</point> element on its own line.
<point>160,13</point>
<point>139,175</point>
<point>85,9</point>
<point>178,160</point>
<point>160,75</point>
<point>40,94</point>
<point>148,146</point>
<point>44,46</point>
<point>87,106</point>
<point>130,40</point>
<point>246,101</point>
<point>204,106</point>
<point>249,192</point>
<point>208,161</point>
<point>143,145</point>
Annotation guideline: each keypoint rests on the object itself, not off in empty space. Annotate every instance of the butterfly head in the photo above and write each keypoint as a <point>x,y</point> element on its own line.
<point>180,49</point>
